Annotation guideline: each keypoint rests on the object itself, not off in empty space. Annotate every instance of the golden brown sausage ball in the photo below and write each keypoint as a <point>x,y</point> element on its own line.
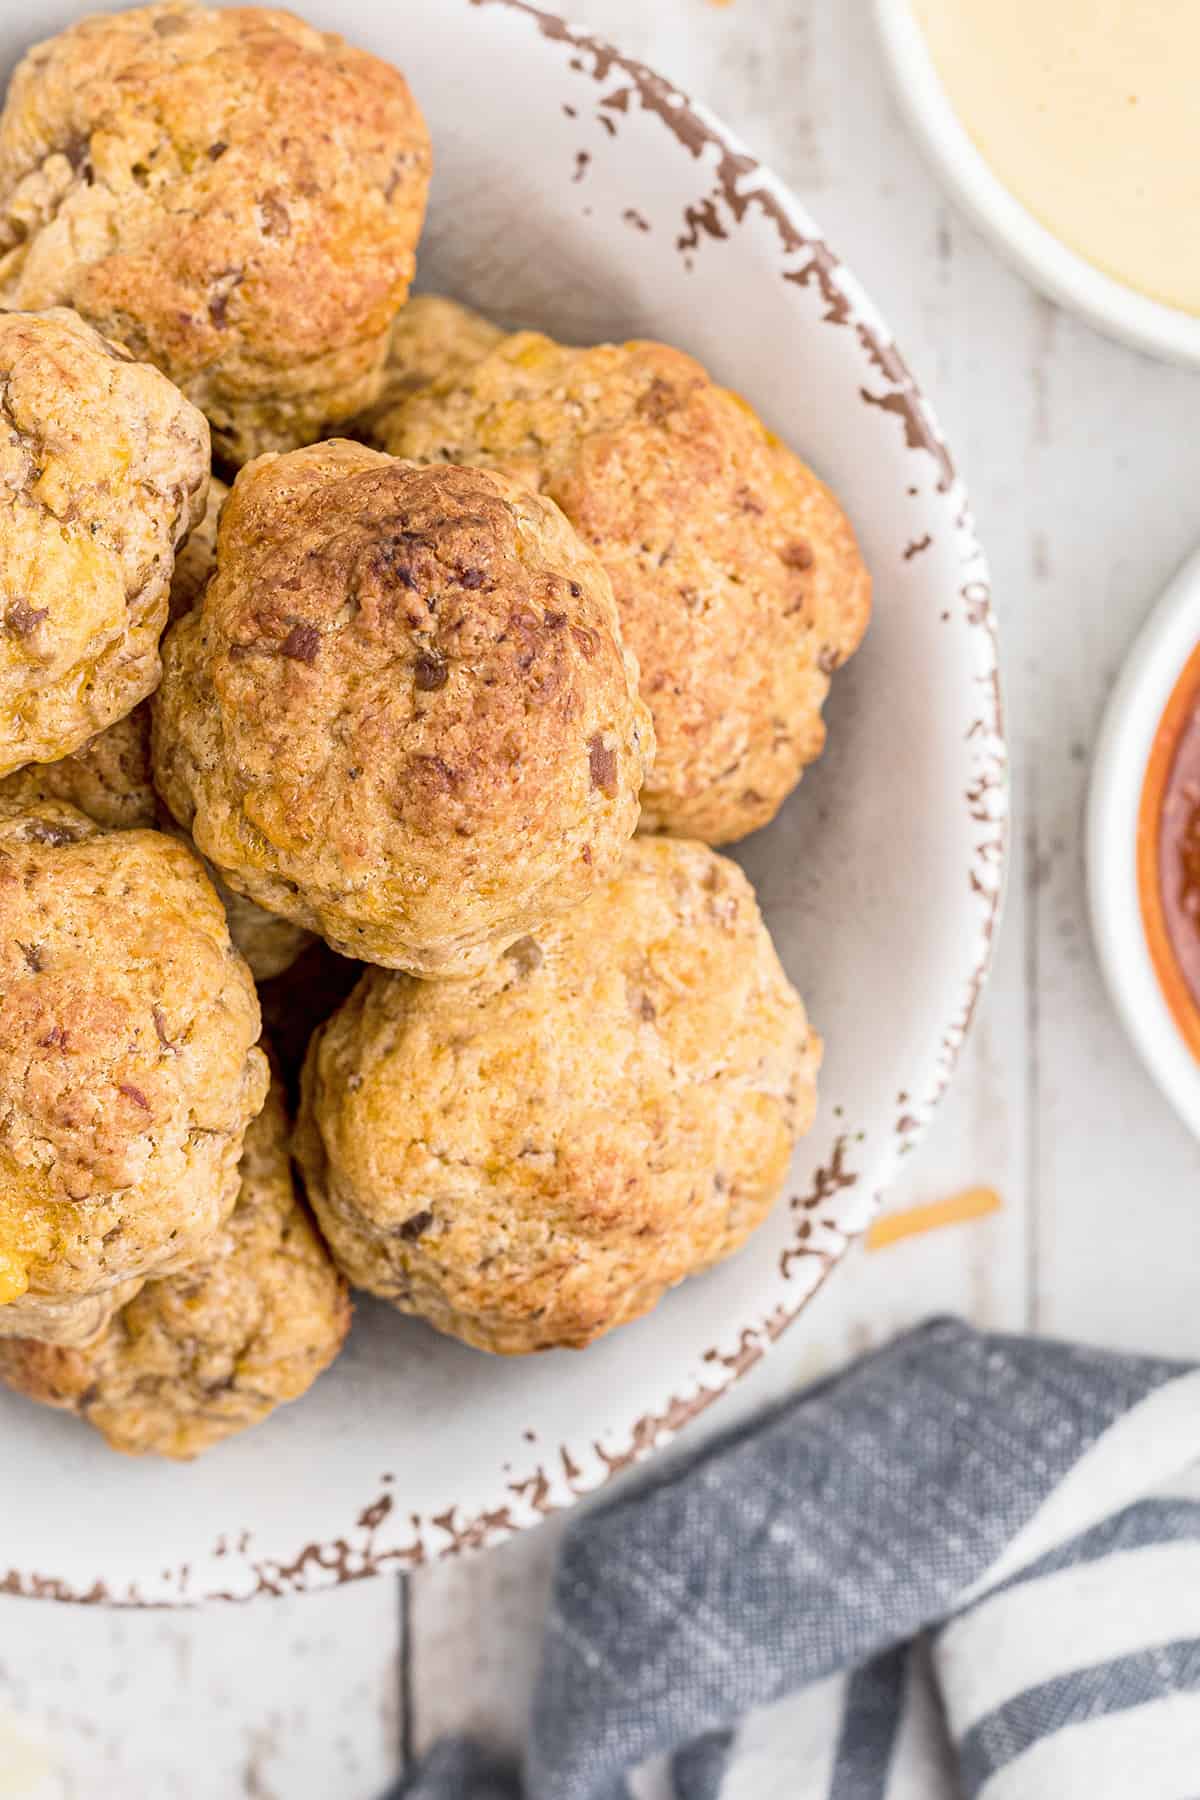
<point>104,469</point>
<point>231,193</point>
<point>432,339</point>
<point>403,716</point>
<point>535,1156</point>
<point>128,1067</point>
<point>738,579</point>
<point>109,779</point>
<point>203,1354</point>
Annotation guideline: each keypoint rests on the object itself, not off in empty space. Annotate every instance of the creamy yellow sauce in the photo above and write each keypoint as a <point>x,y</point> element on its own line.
<point>1089,112</point>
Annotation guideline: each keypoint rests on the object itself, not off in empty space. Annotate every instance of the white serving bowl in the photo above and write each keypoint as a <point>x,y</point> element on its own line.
<point>578,191</point>
<point>1109,305</point>
<point>1131,720</point>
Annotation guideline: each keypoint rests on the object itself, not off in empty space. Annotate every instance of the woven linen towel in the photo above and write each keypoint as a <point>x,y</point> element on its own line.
<point>966,1569</point>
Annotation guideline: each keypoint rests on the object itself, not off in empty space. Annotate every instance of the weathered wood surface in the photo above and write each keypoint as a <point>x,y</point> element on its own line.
<point>1084,463</point>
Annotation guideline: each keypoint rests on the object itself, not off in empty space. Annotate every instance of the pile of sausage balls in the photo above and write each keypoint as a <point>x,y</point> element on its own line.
<point>424,726</point>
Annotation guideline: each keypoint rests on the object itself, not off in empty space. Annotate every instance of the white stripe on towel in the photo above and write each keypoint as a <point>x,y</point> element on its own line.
<point>1082,1615</point>
<point>786,1751</point>
<point>1184,1486</point>
<point>652,1781</point>
<point>1153,1444</point>
<point>1147,1753</point>
<point>923,1763</point>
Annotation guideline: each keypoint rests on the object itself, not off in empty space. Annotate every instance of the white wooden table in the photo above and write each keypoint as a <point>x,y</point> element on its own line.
<point>1084,464</point>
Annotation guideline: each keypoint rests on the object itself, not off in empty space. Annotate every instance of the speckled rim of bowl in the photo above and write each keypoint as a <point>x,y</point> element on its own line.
<point>1131,720</point>
<point>825,1218</point>
<point>1119,311</point>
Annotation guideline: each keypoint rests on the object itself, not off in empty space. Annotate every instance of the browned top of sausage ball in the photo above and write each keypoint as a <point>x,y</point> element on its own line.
<point>128,1067</point>
<point>403,715</point>
<point>103,470</point>
<point>736,572</point>
<point>203,1354</point>
<point>532,1157</point>
<point>232,193</point>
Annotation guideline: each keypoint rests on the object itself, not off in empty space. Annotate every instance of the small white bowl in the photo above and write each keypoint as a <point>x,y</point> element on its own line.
<point>1109,305</point>
<point>1135,709</point>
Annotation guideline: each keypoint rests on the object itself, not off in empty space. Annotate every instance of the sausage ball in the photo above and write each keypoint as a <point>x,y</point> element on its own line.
<point>104,469</point>
<point>269,944</point>
<point>530,1158</point>
<point>203,1354</point>
<point>403,716</point>
<point>231,193</point>
<point>738,579</point>
<point>128,1066</point>
<point>432,339</point>
<point>109,779</point>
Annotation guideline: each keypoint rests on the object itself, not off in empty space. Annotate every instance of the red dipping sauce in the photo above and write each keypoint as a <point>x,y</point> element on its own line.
<point>1168,857</point>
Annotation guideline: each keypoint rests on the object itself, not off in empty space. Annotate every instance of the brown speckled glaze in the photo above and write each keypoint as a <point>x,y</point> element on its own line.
<point>534,1472</point>
<point>734,195</point>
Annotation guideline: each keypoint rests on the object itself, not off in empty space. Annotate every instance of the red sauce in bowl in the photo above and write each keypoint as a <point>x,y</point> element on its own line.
<point>1168,853</point>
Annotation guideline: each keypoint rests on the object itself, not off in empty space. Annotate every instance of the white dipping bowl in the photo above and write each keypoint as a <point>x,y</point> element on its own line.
<point>1109,305</point>
<point>1131,721</point>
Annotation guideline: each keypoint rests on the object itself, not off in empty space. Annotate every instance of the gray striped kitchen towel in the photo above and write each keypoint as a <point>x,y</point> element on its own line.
<point>968,1567</point>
